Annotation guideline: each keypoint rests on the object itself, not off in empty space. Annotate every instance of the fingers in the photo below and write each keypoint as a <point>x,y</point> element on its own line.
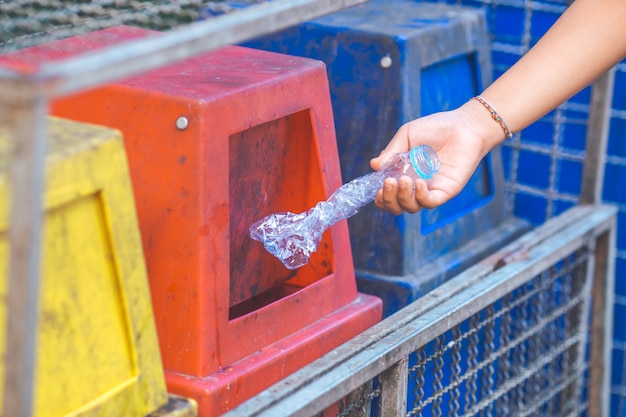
<point>386,198</point>
<point>398,196</point>
<point>406,195</point>
<point>428,198</point>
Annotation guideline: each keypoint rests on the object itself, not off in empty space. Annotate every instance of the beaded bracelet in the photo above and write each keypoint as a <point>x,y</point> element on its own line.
<point>496,116</point>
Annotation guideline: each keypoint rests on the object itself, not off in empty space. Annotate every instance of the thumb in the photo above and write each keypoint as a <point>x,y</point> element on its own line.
<point>378,162</point>
<point>398,144</point>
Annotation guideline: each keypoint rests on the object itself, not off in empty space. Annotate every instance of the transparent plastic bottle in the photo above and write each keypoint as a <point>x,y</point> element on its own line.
<point>292,238</point>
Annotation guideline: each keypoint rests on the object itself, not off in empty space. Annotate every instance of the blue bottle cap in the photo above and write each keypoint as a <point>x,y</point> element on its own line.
<point>425,161</point>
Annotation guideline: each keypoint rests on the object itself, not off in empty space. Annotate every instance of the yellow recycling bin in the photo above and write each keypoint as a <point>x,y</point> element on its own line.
<point>97,349</point>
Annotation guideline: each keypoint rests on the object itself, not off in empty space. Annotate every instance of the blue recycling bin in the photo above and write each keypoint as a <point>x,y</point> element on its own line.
<point>388,62</point>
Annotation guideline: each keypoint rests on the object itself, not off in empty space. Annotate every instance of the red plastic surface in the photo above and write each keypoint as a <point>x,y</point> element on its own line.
<point>260,139</point>
<point>234,384</point>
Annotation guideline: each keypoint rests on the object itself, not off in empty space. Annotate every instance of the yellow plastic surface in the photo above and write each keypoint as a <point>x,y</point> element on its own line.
<point>97,350</point>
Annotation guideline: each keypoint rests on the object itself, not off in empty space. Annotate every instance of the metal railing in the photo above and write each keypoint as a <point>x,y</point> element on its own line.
<point>525,332</point>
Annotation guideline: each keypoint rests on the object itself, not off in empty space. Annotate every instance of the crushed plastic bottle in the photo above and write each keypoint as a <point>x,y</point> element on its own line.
<point>292,238</point>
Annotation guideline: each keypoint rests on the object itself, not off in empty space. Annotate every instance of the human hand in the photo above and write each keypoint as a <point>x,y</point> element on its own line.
<point>461,138</point>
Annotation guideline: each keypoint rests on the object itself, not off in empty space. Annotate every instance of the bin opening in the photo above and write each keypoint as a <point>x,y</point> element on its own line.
<point>273,167</point>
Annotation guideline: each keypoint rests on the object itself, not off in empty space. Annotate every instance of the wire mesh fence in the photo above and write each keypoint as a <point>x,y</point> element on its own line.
<point>26,23</point>
<point>523,355</point>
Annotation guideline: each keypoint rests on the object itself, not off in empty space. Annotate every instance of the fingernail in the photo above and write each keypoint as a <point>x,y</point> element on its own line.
<point>388,187</point>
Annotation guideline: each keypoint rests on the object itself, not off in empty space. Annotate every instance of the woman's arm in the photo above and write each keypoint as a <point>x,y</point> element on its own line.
<point>588,39</point>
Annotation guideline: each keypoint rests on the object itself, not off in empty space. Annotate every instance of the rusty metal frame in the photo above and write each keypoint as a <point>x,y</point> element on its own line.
<point>604,280</point>
<point>382,350</point>
<point>23,107</point>
<point>597,138</point>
